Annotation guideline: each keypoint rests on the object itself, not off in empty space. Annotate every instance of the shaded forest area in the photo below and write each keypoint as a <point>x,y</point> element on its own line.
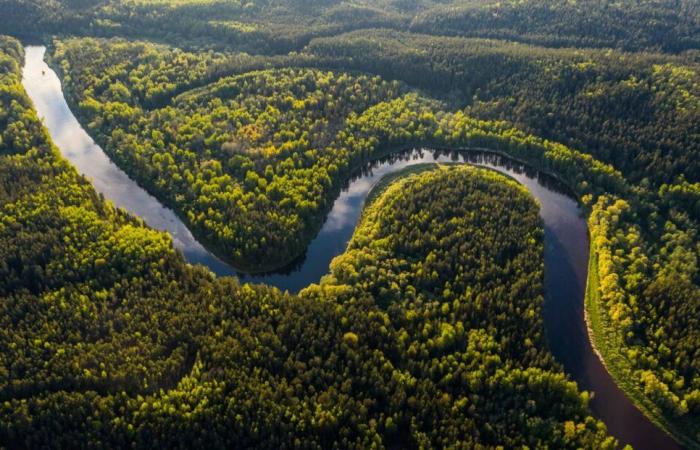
<point>281,26</point>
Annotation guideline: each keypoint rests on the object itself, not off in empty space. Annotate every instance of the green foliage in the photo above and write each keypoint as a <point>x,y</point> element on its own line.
<point>669,25</point>
<point>19,130</point>
<point>454,258</point>
<point>275,26</point>
<point>108,339</point>
<point>253,161</point>
<point>247,160</point>
<point>646,305</point>
<point>80,281</point>
<point>251,151</point>
<point>638,112</point>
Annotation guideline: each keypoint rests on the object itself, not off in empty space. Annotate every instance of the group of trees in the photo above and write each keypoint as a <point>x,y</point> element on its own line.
<point>274,26</point>
<point>462,242</point>
<point>636,111</point>
<point>639,112</point>
<point>253,161</point>
<point>252,149</point>
<point>18,131</point>
<point>668,25</point>
<point>109,339</point>
<point>453,255</point>
<point>75,268</point>
<point>239,158</point>
<point>646,281</point>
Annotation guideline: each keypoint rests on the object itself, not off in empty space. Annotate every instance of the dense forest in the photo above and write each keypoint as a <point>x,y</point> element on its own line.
<point>258,189</point>
<point>639,112</point>
<point>110,339</point>
<point>280,26</point>
<point>248,118</point>
<point>250,160</point>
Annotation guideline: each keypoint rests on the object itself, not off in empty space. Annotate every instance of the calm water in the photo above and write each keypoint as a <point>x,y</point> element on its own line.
<point>566,242</point>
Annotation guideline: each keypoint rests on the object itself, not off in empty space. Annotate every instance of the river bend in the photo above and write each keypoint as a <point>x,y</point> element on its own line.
<point>566,244</point>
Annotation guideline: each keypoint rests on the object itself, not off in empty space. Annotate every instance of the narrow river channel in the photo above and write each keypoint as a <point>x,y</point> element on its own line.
<point>566,242</point>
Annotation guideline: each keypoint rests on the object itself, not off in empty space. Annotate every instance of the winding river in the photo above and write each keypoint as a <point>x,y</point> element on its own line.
<point>565,254</point>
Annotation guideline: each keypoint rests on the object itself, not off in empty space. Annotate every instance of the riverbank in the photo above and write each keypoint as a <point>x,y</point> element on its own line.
<point>608,345</point>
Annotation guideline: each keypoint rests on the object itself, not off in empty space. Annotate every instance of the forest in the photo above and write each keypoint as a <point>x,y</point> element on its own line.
<point>636,111</point>
<point>258,190</point>
<point>248,119</point>
<point>109,339</point>
<point>281,26</point>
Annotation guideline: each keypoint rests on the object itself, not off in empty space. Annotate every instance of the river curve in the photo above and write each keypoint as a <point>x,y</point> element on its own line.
<point>566,248</point>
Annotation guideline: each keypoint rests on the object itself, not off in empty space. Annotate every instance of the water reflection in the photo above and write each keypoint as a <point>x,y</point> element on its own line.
<point>340,223</point>
<point>44,89</point>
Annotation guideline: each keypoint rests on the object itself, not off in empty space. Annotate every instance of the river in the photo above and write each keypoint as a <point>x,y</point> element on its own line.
<point>566,243</point>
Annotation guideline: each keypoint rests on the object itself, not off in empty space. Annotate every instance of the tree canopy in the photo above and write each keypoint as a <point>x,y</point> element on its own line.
<point>109,339</point>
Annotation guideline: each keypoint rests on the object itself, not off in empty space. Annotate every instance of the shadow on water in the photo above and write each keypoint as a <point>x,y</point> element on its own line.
<point>563,310</point>
<point>566,240</point>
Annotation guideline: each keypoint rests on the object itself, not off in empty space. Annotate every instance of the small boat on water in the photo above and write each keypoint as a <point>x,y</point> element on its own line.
<point>43,72</point>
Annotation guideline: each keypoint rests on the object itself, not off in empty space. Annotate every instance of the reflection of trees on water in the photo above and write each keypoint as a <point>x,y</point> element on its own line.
<point>480,156</point>
<point>477,157</point>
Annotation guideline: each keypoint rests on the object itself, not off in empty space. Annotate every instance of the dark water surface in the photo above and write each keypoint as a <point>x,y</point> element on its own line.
<point>565,251</point>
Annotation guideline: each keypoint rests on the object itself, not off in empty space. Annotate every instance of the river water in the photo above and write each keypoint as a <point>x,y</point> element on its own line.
<point>565,251</point>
